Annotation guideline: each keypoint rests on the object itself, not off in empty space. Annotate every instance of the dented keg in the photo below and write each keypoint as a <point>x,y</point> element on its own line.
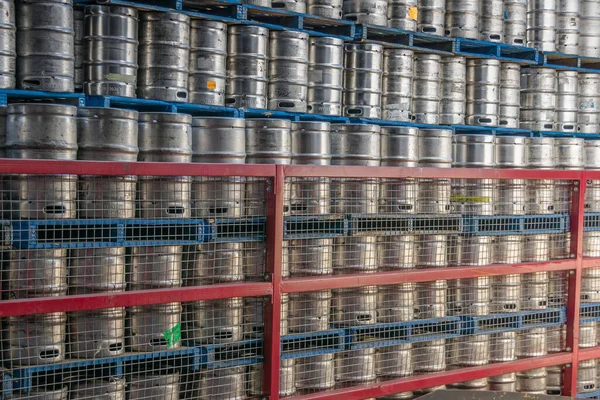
<point>217,321</point>
<point>247,59</point>
<point>398,74</point>
<point>402,14</point>
<point>208,62</point>
<point>589,39</point>
<point>148,326</point>
<point>325,75</point>
<point>510,95</point>
<point>288,71</point>
<point>111,72</point>
<point>483,94</point>
<point>372,12</point>
<point>454,90</point>
<point>315,373</point>
<point>515,22</point>
<point>218,140</point>
<point>491,21</point>
<point>363,80</point>
<point>355,366</point>
<point>588,118</point>
<point>159,386</point>
<point>567,26</point>
<point>35,339</point>
<point>107,389</point>
<point>97,333</point>
<point>462,18</point>
<point>541,24</point>
<point>45,45</point>
<point>431,16</point>
<point>538,98</point>
<point>354,306</point>
<point>164,56</point>
<point>8,46</point>
<point>426,90</point>
<point>325,8</point>
<point>309,311</point>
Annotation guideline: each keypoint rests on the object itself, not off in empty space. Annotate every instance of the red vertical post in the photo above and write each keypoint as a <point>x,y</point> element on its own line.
<point>272,312</point>
<point>574,285</point>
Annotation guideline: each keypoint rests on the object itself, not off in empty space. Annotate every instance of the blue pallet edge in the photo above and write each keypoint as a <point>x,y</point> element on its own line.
<point>589,312</point>
<point>77,99</point>
<point>591,221</point>
<point>506,322</point>
<point>494,225</point>
<point>390,224</point>
<point>299,345</point>
<point>590,395</point>
<point>315,226</point>
<point>500,51</point>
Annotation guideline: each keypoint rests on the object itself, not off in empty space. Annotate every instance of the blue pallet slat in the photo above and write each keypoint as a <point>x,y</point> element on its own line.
<point>313,343</point>
<point>515,224</point>
<point>225,355</point>
<point>491,130</point>
<point>559,60</point>
<point>433,43</point>
<point>590,395</point>
<point>586,136</point>
<point>235,229</point>
<point>591,221</point>
<point>500,51</point>
<point>315,226</point>
<point>506,322</point>
<point>160,106</point>
<point>393,224</point>
<point>18,95</point>
<point>589,312</point>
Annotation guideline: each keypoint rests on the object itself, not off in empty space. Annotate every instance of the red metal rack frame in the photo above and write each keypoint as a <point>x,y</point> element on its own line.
<point>276,286</point>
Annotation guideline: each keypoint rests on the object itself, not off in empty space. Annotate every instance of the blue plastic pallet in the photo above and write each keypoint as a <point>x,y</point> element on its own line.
<point>506,322</point>
<point>22,377</point>
<point>395,224</point>
<point>292,116</point>
<point>503,52</point>
<point>159,106</point>
<point>591,221</point>
<point>393,37</point>
<point>85,233</point>
<point>586,136</point>
<point>314,343</point>
<point>17,95</point>
<point>490,130</point>
<point>235,229</point>
<point>496,225</point>
<point>246,352</point>
<point>315,227</point>
<point>589,312</point>
<point>590,395</point>
<point>415,331</point>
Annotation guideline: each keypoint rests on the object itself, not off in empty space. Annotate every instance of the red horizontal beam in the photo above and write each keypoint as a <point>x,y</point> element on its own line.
<point>592,262</point>
<point>440,378</point>
<point>111,168</point>
<point>396,172</point>
<point>9,308</point>
<point>418,275</point>
<point>589,354</point>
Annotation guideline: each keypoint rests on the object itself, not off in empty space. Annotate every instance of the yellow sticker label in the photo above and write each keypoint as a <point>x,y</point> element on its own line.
<point>470,199</point>
<point>413,12</point>
<point>211,84</point>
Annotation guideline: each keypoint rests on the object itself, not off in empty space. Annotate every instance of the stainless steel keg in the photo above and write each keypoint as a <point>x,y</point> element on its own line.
<point>532,343</point>
<point>394,361</point>
<point>159,386</point>
<point>537,248</point>
<point>298,6</point>
<point>556,337</point>
<point>148,325</point>
<point>592,162</point>
<point>309,311</point>
<point>541,24</point>
<point>435,150</point>
<point>287,378</point>
<point>97,270</point>
<point>354,306</point>
<point>491,21</point>
<point>429,356</point>
<point>586,376</point>
<point>35,339</point>
<point>208,62</point>
<point>52,392</point>
<point>538,98</point>
<point>590,280</point>
<point>325,8</point>
<point>217,321</point>
<point>79,50</point>
<point>503,349</point>
<point>37,273</point>
<point>567,26</point>
<point>218,140</point>
<point>325,75</point>
<point>540,193</point>
<point>97,333</point>
<point>431,300</point>
<point>569,153</point>
<point>372,12</point>
<point>355,366</point>
<point>355,254</point>
<point>402,14</point>
<point>255,255</point>
<point>8,46</point>
<point>432,251</point>
<point>45,46</point>
<point>3,131</point>
<point>164,56</point>
<point>588,118</point>
<point>532,381</point>
<point>567,101</point>
<point>510,95</point>
<point>288,71</point>
<point>398,74</point>
<point>111,51</point>
<point>215,262</point>
<point>355,144</point>
<point>591,244</point>
<point>431,16</point>
<point>554,380</point>
<point>396,303</point>
<point>483,92</point>
<point>399,148</point>
<point>315,373</point>
<point>396,252</point>
<point>310,257</point>
<point>247,59</point>
<point>589,28</point>
<point>427,88</point>
<point>511,199</point>
<point>311,145</point>
<point>534,289</point>
<point>154,267</point>
<point>253,316</point>
<point>41,131</point>
<point>107,134</point>
<point>454,90</point>
<point>363,80</point>
<point>111,388</point>
<point>587,335</point>
<point>462,18</point>
<point>470,296</point>
<point>515,22</point>
<point>165,137</point>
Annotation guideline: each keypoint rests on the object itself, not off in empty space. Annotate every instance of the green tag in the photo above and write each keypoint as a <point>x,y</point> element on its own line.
<point>173,335</point>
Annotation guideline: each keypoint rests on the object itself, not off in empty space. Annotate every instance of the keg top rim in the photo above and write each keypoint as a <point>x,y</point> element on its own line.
<point>355,127</point>
<point>132,114</point>
<point>165,117</point>
<point>234,122</point>
<point>394,130</point>
<point>160,15</point>
<point>311,125</point>
<point>540,140</point>
<point>326,39</point>
<point>470,138</point>
<point>510,140</point>
<point>96,9</point>
<point>241,28</point>
<point>29,107</point>
<point>268,122</point>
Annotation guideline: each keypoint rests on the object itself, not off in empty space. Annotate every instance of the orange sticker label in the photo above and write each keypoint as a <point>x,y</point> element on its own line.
<point>413,12</point>
<point>211,84</point>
